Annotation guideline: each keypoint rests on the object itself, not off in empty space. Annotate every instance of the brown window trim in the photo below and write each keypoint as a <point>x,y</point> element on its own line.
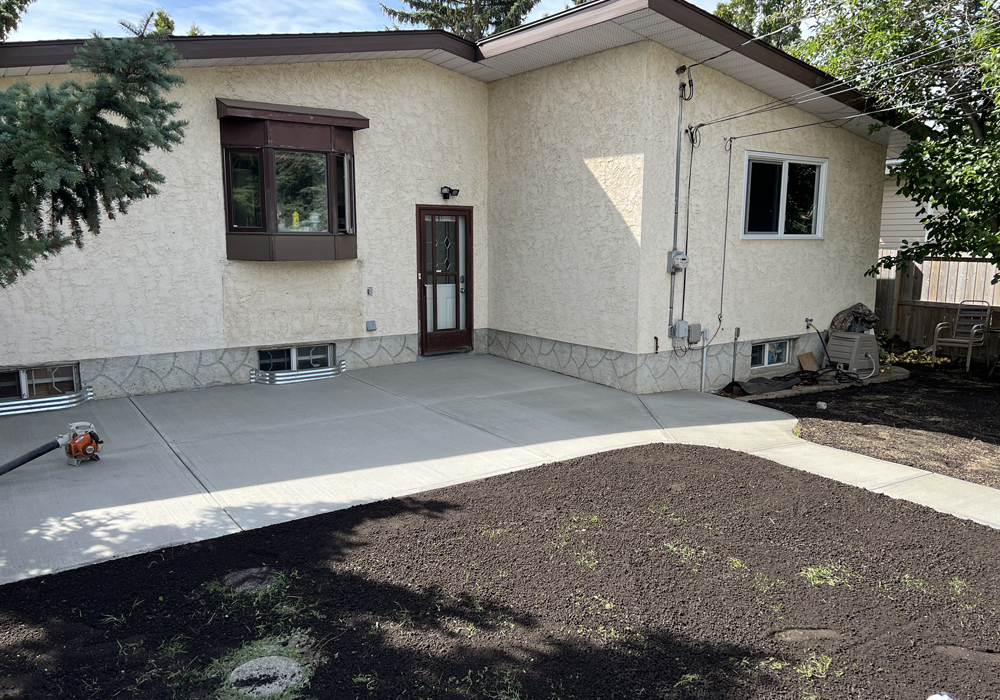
<point>263,128</point>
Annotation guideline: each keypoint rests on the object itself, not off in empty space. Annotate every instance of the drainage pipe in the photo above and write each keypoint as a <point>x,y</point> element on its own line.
<point>736,337</point>
<point>704,357</point>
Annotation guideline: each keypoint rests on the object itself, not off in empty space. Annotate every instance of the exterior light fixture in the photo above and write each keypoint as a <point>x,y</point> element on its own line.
<point>448,192</point>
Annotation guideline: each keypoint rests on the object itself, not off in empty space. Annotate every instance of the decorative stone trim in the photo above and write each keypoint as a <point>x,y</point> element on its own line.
<point>153,374</point>
<point>644,373</point>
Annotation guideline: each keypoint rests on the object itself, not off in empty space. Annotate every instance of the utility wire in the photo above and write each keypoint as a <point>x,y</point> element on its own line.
<point>842,86</point>
<point>764,36</point>
<point>864,114</point>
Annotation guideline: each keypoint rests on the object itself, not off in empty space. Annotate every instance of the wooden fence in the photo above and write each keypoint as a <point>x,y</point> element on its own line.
<point>911,303</point>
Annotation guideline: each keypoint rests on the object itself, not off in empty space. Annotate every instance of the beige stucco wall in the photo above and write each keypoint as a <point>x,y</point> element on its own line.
<point>580,254</point>
<point>157,280</point>
<point>566,173</point>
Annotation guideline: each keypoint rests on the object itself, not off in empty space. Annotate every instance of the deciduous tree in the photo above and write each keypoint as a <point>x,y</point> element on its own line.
<point>761,17</point>
<point>936,65</point>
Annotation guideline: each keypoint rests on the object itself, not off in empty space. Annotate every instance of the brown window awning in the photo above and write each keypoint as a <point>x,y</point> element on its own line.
<point>226,107</point>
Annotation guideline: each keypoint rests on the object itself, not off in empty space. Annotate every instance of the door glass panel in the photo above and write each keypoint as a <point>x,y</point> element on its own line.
<point>429,272</point>
<point>445,262</point>
<point>463,280</point>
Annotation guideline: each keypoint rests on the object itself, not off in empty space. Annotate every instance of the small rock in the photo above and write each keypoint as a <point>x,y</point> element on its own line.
<point>268,675</point>
<point>821,405</point>
<point>249,579</point>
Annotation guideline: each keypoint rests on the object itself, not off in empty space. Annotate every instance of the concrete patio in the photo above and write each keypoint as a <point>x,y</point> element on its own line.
<point>193,465</point>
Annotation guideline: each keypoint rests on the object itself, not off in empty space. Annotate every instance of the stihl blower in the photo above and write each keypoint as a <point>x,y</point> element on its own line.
<point>80,443</point>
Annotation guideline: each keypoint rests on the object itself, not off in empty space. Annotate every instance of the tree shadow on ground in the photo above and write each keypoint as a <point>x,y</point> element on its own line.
<point>151,626</point>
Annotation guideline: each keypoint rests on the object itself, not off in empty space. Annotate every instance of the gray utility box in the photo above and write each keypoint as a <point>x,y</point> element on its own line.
<point>849,350</point>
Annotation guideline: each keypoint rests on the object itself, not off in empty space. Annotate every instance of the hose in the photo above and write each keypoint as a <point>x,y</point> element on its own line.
<point>25,458</point>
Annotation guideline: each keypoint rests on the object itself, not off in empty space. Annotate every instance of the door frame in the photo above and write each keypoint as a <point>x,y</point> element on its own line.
<point>422,210</point>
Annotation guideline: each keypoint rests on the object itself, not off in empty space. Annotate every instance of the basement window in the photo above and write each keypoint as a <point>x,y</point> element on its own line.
<point>303,357</point>
<point>785,196</point>
<point>38,382</point>
<point>768,354</point>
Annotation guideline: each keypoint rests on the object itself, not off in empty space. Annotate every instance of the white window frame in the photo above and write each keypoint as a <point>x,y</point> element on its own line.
<point>765,343</point>
<point>783,159</point>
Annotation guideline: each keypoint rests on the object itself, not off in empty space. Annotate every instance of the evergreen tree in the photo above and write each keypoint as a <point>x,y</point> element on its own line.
<point>10,15</point>
<point>469,19</point>
<point>72,154</point>
<point>761,17</point>
<point>163,22</point>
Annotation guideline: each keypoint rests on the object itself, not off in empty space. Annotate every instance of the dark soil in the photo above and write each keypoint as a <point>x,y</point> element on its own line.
<point>941,419</point>
<point>664,571</point>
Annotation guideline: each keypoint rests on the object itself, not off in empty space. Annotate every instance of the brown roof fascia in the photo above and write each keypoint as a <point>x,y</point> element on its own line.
<point>55,53</point>
<point>718,30</point>
<point>226,107</point>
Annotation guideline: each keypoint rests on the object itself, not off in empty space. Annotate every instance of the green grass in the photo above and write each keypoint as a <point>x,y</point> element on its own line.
<point>489,684</point>
<point>816,666</point>
<point>830,575</point>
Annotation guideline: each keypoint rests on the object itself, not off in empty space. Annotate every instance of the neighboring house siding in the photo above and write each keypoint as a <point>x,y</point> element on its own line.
<point>157,280</point>
<point>900,218</point>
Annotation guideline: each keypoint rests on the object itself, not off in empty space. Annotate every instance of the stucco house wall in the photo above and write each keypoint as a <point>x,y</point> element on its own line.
<point>580,249</point>
<point>155,288</point>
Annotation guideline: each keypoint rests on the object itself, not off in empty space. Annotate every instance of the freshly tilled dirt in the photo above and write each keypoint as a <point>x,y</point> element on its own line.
<point>664,571</point>
<point>943,420</point>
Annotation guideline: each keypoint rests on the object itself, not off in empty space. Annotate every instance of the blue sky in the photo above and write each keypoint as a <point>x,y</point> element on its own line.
<point>69,19</point>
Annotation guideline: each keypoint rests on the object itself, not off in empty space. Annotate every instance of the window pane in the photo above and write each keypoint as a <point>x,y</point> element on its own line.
<point>800,201</point>
<point>277,360</point>
<point>313,357</point>
<point>344,194</point>
<point>50,381</point>
<point>301,182</point>
<point>777,353</point>
<point>244,179</point>
<point>762,202</point>
<point>757,356</point>
<point>10,385</point>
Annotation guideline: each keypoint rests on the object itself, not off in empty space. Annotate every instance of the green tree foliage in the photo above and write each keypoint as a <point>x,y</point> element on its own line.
<point>195,30</point>
<point>73,154</point>
<point>937,64</point>
<point>469,19</point>
<point>10,15</point>
<point>163,23</point>
<point>761,17</point>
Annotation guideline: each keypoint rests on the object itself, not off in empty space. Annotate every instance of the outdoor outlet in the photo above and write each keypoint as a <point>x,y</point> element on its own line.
<point>371,291</point>
<point>677,261</point>
<point>369,325</point>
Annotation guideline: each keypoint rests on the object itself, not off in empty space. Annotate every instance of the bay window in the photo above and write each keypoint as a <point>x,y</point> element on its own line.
<point>289,181</point>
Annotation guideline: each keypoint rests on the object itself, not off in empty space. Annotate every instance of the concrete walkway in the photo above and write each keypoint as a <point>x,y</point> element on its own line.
<point>194,465</point>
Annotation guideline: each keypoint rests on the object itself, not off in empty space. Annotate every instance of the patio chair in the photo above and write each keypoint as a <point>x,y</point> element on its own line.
<point>968,331</point>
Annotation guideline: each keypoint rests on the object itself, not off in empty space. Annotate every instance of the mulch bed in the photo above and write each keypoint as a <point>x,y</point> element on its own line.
<point>941,419</point>
<point>664,571</point>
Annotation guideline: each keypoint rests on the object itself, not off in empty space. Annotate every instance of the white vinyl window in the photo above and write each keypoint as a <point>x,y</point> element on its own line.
<point>768,354</point>
<point>38,382</point>
<point>785,196</point>
<point>303,357</point>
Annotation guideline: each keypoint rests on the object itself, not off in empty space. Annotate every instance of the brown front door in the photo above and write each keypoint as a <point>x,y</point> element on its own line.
<point>444,278</point>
